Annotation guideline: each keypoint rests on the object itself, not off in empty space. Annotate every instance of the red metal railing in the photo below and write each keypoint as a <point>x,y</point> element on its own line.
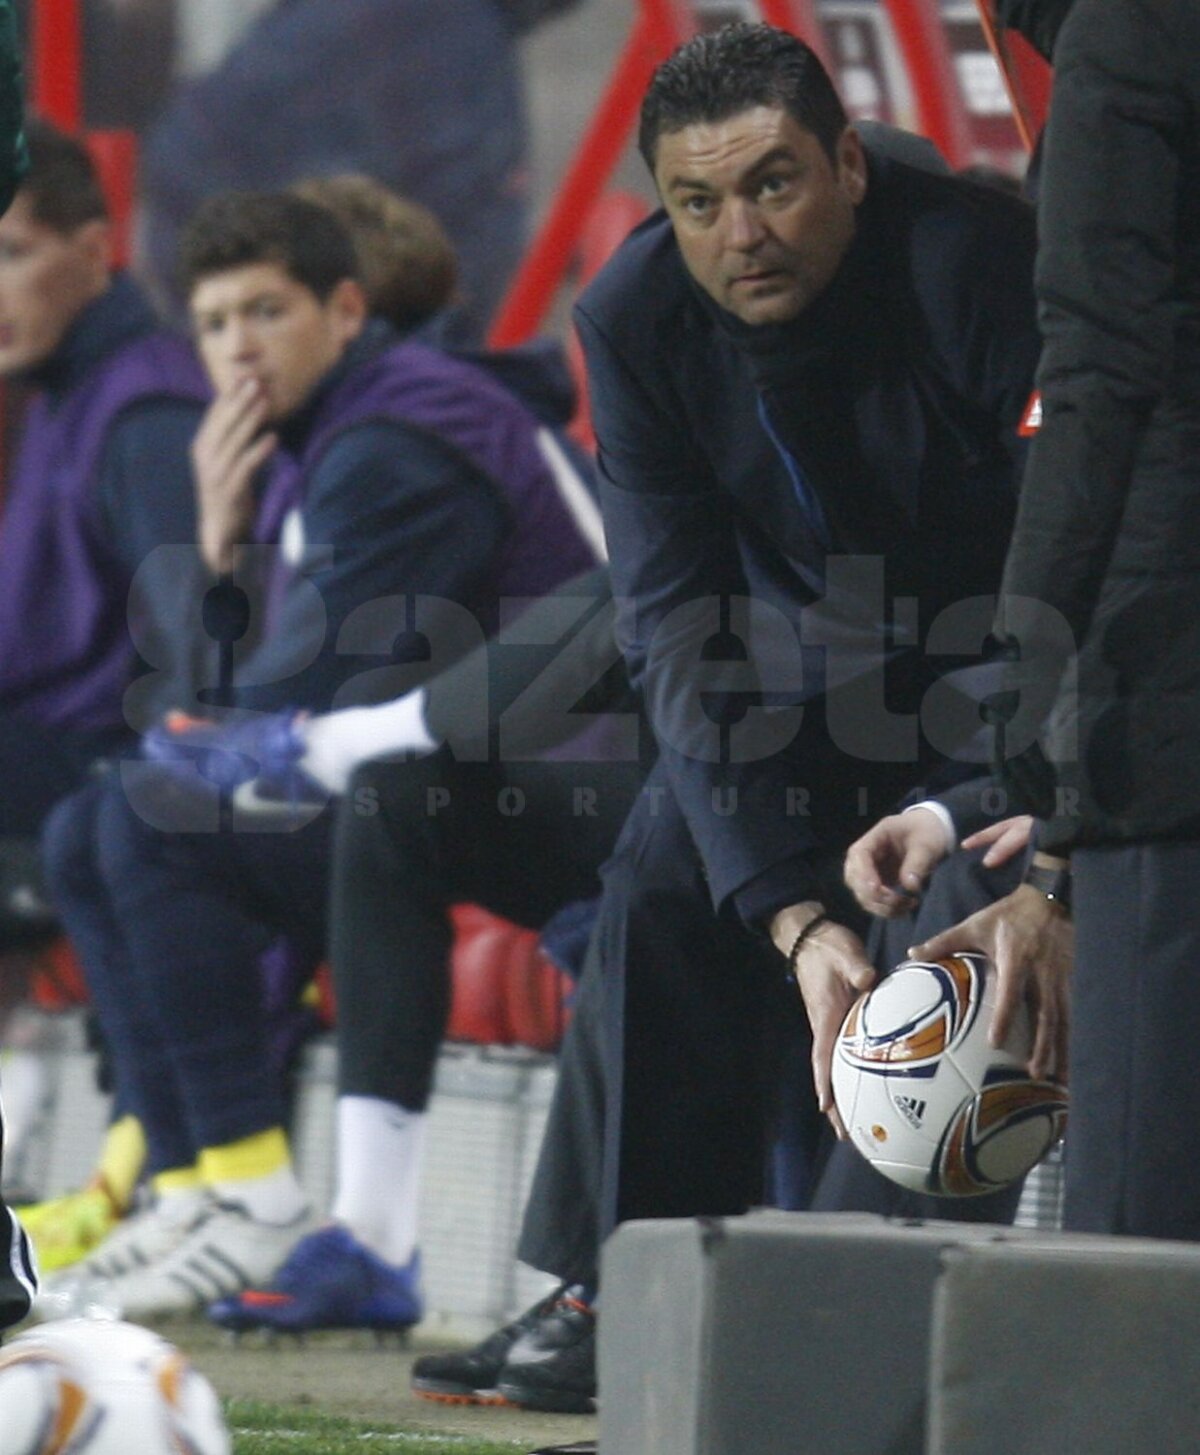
<point>941,110</point>
<point>55,69</point>
<point>1027,77</point>
<point>545,265</point>
<point>56,62</point>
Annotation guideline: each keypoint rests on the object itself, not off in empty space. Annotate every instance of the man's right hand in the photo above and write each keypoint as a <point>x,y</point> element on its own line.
<point>888,867</point>
<point>832,971</point>
<point>229,449</point>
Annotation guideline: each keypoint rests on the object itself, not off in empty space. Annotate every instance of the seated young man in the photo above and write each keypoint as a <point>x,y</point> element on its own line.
<point>409,276</point>
<point>411,495</point>
<point>513,804</point>
<point>100,477</point>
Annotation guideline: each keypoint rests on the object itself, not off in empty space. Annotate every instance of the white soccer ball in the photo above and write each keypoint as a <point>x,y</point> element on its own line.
<point>924,1097</point>
<point>99,1387</point>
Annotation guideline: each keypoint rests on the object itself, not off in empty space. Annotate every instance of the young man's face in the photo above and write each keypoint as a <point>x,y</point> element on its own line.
<point>762,215</point>
<point>257,322</point>
<point>47,277</point>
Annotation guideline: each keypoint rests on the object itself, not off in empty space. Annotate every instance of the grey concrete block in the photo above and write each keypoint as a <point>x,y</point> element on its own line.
<point>1068,1345</point>
<point>772,1334</point>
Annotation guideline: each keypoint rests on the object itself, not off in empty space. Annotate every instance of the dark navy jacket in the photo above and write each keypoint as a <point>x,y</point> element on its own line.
<point>894,402</point>
<point>410,496</point>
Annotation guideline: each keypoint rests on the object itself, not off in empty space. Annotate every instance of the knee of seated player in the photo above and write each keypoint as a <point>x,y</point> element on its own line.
<point>68,844</point>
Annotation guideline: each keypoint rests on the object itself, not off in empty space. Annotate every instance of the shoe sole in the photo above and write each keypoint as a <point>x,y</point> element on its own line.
<point>548,1401</point>
<point>489,1397</point>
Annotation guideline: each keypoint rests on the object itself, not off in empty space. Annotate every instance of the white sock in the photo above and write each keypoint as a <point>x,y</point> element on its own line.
<point>274,1198</point>
<point>180,1204</point>
<point>380,1150</point>
<point>337,742</point>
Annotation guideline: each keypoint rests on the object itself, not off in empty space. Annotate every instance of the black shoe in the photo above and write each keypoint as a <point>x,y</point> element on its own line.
<point>18,1274</point>
<point>581,1447</point>
<point>553,1368</point>
<point>469,1377</point>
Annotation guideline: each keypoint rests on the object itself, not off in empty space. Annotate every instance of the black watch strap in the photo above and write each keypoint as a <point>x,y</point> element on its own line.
<point>1055,884</point>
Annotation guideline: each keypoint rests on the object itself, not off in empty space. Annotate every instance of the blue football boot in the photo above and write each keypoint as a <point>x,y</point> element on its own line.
<point>258,760</point>
<point>329,1281</point>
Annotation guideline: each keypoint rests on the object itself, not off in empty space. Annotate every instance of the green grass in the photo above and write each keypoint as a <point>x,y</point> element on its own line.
<point>263,1429</point>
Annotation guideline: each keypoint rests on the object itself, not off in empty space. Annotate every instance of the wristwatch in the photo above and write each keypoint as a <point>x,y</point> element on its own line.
<point>1055,884</point>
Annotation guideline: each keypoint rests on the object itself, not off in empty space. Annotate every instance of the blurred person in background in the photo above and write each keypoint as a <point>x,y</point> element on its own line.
<point>424,97</point>
<point>100,477</point>
<point>127,60</point>
<point>408,266</point>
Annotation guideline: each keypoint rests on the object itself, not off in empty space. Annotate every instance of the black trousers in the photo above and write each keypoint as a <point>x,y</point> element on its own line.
<point>523,840</point>
<point>561,1227</point>
<point>171,925</point>
<point>1135,1020</point>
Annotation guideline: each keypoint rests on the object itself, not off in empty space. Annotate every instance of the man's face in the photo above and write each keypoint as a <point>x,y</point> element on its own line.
<point>761,214</point>
<point>46,279</point>
<point>257,322</point>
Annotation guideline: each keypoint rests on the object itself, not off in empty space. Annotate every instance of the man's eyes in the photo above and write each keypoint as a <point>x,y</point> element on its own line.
<point>768,189</point>
<point>265,309</point>
<point>777,184</point>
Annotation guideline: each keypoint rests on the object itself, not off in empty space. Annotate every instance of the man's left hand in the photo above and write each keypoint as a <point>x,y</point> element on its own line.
<point>1031,942</point>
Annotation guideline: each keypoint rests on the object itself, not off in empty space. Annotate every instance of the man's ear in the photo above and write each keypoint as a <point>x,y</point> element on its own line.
<point>95,243</point>
<point>348,307</point>
<point>851,165</point>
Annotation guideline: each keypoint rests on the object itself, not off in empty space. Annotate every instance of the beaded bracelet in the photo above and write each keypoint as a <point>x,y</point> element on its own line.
<point>798,943</point>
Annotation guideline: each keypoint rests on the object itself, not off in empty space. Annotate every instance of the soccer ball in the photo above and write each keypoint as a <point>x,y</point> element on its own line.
<point>924,1097</point>
<point>99,1387</point>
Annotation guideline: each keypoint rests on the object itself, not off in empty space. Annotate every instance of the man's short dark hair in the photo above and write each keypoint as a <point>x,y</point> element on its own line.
<point>715,76</point>
<point>62,184</point>
<point>238,229</point>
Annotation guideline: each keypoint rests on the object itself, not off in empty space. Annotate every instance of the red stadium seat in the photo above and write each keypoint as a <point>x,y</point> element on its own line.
<point>505,991</point>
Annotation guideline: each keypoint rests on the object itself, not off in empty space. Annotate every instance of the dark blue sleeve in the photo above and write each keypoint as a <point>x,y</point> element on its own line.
<point>392,513</point>
<point>146,495</point>
<point>674,558</point>
<point>147,516</point>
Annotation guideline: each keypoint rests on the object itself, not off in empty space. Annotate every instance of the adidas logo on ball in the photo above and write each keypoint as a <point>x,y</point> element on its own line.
<point>912,1110</point>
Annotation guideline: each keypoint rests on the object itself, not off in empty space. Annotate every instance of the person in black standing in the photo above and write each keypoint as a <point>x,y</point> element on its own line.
<point>1101,596</point>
